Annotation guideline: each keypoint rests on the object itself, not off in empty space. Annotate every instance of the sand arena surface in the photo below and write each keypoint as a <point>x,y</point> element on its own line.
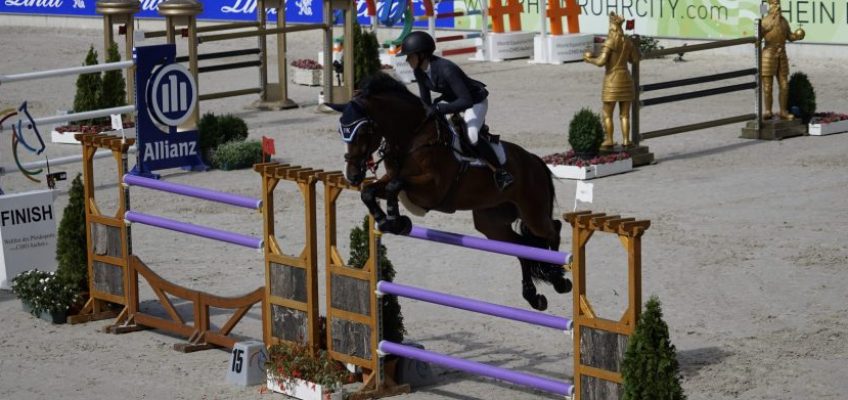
<point>747,248</point>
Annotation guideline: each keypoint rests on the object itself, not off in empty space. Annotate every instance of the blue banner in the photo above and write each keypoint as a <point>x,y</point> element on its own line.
<point>297,11</point>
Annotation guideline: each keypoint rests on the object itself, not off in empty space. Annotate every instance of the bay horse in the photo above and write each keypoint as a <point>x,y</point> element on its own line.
<point>421,166</point>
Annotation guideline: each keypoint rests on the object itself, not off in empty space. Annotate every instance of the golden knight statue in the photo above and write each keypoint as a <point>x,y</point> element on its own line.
<point>775,31</point>
<point>618,84</point>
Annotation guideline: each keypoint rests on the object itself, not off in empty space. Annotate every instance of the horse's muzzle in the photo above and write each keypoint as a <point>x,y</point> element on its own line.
<point>355,172</point>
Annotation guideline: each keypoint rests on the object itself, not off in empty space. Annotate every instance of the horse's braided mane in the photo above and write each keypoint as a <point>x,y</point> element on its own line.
<point>381,83</point>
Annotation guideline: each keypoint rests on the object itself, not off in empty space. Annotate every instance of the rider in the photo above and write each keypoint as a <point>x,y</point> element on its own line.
<point>459,92</point>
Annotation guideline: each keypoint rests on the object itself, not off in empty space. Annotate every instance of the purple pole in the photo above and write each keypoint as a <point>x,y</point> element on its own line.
<point>492,246</point>
<point>515,314</point>
<point>193,191</point>
<point>197,230</point>
<point>548,385</point>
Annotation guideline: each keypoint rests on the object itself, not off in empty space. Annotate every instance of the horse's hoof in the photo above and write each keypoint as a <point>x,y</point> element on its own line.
<point>562,285</point>
<point>541,303</point>
<point>404,225</point>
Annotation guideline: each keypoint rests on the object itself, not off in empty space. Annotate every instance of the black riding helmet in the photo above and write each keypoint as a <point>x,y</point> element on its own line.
<point>418,42</point>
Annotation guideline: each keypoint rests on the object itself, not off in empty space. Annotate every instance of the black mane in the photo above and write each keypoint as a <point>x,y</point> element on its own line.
<point>381,83</point>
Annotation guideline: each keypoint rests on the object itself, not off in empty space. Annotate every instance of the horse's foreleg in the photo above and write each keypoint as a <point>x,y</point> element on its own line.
<point>396,223</point>
<point>388,189</point>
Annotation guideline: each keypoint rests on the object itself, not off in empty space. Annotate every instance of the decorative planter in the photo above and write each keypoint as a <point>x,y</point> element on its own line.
<point>304,390</point>
<point>587,172</point>
<point>307,77</point>
<point>52,317</point>
<point>828,129</point>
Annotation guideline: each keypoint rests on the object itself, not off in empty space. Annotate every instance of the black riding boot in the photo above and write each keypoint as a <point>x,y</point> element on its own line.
<point>485,151</point>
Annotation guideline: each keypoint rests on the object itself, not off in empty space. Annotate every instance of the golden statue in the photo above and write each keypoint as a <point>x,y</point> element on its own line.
<point>775,31</point>
<point>618,84</point>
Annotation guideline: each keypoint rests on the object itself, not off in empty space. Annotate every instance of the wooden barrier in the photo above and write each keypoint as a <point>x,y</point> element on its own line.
<point>290,293</point>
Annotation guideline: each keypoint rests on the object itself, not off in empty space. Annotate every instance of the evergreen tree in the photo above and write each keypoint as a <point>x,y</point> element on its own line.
<point>71,245</point>
<point>393,329</point>
<point>87,97</point>
<point>113,93</point>
<point>650,368</point>
<point>802,95</point>
<point>366,54</point>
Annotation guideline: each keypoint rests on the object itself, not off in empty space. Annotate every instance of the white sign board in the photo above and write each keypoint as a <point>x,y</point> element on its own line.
<point>28,232</point>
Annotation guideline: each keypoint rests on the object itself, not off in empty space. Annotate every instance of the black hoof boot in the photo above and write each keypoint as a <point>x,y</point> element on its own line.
<point>537,301</point>
<point>562,285</point>
<point>404,225</point>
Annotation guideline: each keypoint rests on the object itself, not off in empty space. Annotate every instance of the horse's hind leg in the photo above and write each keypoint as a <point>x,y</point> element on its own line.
<point>496,224</point>
<point>554,274</point>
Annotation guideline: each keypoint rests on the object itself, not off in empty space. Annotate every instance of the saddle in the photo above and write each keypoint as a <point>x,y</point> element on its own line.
<point>463,149</point>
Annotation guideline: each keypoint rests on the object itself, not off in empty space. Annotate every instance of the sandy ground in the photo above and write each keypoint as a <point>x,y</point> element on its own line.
<point>747,247</point>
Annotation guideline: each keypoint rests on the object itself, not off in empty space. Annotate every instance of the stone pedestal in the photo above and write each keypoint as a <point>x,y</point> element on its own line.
<point>774,129</point>
<point>641,155</point>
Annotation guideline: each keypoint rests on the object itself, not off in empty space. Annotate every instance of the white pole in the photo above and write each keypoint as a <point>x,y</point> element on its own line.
<point>103,153</point>
<point>484,8</point>
<point>543,30</point>
<point>86,69</point>
<point>431,21</point>
<point>77,116</point>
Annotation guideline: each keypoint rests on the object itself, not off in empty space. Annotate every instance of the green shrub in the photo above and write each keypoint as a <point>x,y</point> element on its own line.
<point>113,93</point>
<point>237,155</point>
<point>585,132</point>
<point>648,44</point>
<point>215,130</point>
<point>232,128</point>
<point>366,54</point>
<point>71,248</point>
<point>393,329</point>
<point>87,97</point>
<point>802,95</point>
<point>650,369</point>
<point>44,292</point>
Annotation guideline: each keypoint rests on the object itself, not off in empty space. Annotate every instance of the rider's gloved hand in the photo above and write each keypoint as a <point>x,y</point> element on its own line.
<point>432,110</point>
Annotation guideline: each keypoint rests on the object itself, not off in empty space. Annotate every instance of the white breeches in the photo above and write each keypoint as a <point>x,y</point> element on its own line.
<point>475,117</point>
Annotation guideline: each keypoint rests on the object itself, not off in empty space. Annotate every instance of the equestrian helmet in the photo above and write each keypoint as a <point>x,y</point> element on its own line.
<point>418,42</point>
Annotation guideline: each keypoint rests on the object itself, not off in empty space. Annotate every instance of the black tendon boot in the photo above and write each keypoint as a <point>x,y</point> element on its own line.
<point>485,151</point>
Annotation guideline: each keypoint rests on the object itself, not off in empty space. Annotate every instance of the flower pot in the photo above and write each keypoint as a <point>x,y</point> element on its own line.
<point>304,390</point>
<point>307,77</point>
<point>591,171</point>
<point>59,317</point>
<point>819,129</point>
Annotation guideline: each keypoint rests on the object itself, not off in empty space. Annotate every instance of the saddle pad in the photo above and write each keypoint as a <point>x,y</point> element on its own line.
<point>472,161</point>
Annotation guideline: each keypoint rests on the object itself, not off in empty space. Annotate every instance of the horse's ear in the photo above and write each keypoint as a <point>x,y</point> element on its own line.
<point>336,106</point>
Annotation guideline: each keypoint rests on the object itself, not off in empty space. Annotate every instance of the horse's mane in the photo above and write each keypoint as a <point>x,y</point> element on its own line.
<point>381,83</point>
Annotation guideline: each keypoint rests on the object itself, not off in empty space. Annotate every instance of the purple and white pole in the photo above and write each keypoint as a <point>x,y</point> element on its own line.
<point>519,378</point>
<point>193,191</point>
<point>191,229</point>
<point>492,246</point>
<point>463,303</point>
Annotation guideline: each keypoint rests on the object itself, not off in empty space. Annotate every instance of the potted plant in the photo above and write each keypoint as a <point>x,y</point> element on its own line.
<point>828,123</point>
<point>585,134</point>
<point>306,373</point>
<point>802,97</point>
<point>44,295</point>
<point>569,166</point>
<point>307,72</point>
<point>216,130</point>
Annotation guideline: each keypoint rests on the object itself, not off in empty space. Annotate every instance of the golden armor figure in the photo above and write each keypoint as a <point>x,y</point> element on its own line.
<point>618,85</point>
<point>775,31</point>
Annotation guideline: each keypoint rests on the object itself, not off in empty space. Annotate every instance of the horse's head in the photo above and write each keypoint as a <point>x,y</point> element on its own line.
<point>383,109</point>
<point>357,131</point>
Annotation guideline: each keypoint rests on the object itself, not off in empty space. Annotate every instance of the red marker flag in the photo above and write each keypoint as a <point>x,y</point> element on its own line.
<point>268,146</point>
<point>631,23</point>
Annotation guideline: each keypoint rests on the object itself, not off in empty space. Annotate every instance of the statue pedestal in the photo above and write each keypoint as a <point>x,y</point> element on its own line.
<point>641,155</point>
<point>774,129</point>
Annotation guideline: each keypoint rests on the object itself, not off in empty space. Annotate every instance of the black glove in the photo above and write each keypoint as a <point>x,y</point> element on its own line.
<point>432,110</point>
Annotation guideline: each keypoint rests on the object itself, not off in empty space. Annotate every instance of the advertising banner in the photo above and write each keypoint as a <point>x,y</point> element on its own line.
<point>28,232</point>
<point>825,21</point>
